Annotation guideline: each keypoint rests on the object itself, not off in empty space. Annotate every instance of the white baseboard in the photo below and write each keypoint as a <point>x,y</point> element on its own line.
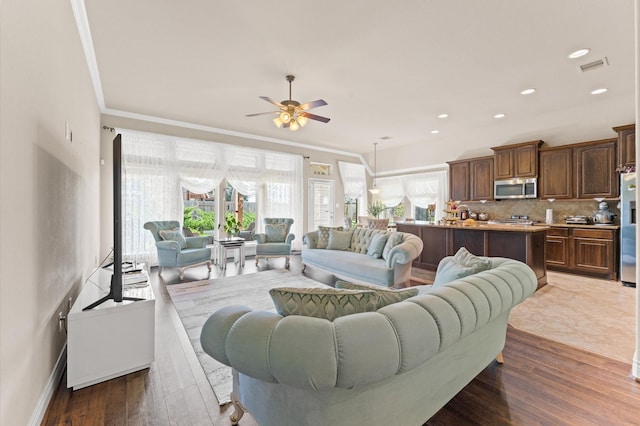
<point>50,388</point>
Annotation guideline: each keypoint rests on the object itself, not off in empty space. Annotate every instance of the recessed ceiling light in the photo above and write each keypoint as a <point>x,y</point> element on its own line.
<point>528,91</point>
<point>578,53</point>
<point>435,132</point>
<point>598,91</point>
<point>501,115</point>
<point>443,115</point>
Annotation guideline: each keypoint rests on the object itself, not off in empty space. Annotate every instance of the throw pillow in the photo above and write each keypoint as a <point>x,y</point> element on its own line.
<point>339,240</point>
<point>386,296</point>
<point>323,235</point>
<point>376,246</point>
<point>328,303</point>
<point>393,239</point>
<point>463,265</point>
<point>173,235</point>
<point>276,232</point>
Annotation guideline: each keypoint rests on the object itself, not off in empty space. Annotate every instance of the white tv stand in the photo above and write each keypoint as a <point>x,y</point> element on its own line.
<point>112,339</point>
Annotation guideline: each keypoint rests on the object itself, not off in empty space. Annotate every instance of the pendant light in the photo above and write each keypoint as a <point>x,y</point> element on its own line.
<point>375,190</point>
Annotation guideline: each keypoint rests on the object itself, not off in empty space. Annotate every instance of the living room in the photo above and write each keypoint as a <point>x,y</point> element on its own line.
<point>54,106</point>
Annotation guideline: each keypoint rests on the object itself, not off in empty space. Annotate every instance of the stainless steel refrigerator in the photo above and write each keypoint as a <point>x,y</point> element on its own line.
<point>628,229</point>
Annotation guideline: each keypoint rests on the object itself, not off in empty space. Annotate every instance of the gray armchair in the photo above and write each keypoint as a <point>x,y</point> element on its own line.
<point>276,240</point>
<point>180,253</point>
<point>248,233</point>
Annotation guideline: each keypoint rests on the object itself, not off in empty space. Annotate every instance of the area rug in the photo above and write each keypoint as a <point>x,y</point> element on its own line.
<point>592,314</point>
<point>195,301</point>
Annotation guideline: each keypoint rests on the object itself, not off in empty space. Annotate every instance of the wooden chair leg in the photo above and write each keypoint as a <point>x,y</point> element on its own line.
<point>239,409</point>
<point>499,358</point>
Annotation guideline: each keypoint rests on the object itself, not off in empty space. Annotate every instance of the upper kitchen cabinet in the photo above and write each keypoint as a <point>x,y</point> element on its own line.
<point>472,179</point>
<point>556,173</point>
<point>626,145</point>
<point>595,165</point>
<point>518,160</point>
<point>459,180</point>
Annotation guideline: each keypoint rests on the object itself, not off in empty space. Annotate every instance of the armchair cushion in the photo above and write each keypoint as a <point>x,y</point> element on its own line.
<point>376,246</point>
<point>276,233</point>
<point>173,235</point>
<point>385,296</point>
<point>339,240</point>
<point>462,265</point>
<point>328,303</point>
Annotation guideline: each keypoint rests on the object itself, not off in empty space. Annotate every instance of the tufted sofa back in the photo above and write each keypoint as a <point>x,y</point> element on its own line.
<point>399,337</point>
<point>361,238</point>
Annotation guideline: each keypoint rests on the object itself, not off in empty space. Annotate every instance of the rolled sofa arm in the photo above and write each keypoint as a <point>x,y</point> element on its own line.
<point>405,252</point>
<point>290,238</point>
<point>310,239</point>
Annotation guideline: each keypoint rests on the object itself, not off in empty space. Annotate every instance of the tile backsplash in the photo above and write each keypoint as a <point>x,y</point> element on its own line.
<point>536,209</point>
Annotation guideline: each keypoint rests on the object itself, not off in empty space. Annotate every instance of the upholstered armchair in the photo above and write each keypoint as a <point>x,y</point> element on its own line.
<point>175,250</point>
<point>378,223</point>
<point>248,233</point>
<point>276,240</point>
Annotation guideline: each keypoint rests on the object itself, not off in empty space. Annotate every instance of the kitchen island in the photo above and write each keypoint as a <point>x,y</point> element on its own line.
<point>525,243</point>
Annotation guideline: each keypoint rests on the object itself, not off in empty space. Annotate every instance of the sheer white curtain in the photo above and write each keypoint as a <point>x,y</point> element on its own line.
<point>421,189</point>
<point>391,190</point>
<point>354,180</point>
<point>156,167</point>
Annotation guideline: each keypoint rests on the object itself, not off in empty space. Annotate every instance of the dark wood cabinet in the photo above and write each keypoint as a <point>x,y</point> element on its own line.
<point>556,173</point>
<point>481,178</point>
<point>518,160</point>
<point>435,244</point>
<point>588,251</point>
<point>626,145</point>
<point>459,180</point>
<point>595,166</point>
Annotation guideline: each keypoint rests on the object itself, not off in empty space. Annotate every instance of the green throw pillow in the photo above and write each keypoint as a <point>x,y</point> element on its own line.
<point>328,303</point>
<point>339,240</point>
<point>386,296</point>
<point>463,265</point>
<point>376,246</point>
<point>323,235</point>
<point>276,232</point>
<point>393,239</point>
<point>173,235</point>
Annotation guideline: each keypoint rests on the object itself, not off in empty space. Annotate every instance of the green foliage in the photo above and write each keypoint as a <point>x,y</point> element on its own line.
<point>198,220</point>
<point>399,210</point>
<point>231,225</point>
<point>376,208</point>
<point>247,218</point>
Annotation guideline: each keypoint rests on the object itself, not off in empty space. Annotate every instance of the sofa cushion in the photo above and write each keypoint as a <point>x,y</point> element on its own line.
<point>385,296</point>
<point>328,303</point>
<point>323,235</point>
<point>173,235</point>
<point>355,266</point>
<point>276,232</point>
<point>376,246</point>
<point>339,240</point>
<point>393,239</point>
<point>462,265</point>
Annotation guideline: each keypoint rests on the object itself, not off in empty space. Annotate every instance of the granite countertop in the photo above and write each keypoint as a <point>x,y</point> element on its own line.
<point>484,226</point>
<point>572,225</point>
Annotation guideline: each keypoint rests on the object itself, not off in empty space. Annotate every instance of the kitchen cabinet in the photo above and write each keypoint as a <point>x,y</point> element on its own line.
<point>595,165</point>
<point>579,171</point>
<point>435,244</point>
<point>626,145</point>
<point>471,179</point>
<point>589,251</point>
<point>518,160</point>
<point>459,180</point>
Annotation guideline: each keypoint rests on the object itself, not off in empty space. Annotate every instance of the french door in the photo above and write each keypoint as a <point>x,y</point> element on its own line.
<point>321,203</point>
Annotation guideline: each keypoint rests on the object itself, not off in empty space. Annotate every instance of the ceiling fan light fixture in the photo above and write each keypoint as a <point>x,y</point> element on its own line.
<point>302,120</point>
<point>285,116</point>
<point>374,191</point>
<point>278,122</point>
<point>294,126</point>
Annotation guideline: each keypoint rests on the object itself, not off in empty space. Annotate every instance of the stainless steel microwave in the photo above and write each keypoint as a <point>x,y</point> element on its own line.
<point>515,188</point>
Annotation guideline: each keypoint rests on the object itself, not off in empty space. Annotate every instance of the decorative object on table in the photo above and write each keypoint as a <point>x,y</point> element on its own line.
<point>375,208</point>
<point>431,213</point>
<point>292,114</point>
<point>603,216</point>
<point>483,216</point>
<point>174,253</point>
<point>451,213</point>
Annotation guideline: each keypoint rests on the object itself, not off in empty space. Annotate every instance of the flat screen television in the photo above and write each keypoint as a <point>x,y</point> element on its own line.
<point>115,290</point>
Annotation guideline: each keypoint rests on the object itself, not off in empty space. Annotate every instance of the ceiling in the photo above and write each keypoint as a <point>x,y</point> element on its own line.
<point>384,70</point>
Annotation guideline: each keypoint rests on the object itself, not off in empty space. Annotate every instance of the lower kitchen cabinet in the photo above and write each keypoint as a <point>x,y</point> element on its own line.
<point>587,251</point>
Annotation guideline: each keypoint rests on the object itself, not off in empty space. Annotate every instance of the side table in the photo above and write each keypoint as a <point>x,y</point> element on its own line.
<point>224,244</point>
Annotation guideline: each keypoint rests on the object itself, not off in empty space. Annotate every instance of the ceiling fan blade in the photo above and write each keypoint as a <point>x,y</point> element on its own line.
<point>316,117</point>
<point>268,99</point>
<point>262,113</point>
<point>313,104</point>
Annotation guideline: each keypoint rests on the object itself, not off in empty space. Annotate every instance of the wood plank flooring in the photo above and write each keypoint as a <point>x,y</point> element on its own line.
<point>541,382</point>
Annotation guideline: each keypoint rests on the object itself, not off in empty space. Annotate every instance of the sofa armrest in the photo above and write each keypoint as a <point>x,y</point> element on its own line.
<point>405,252</point>
<point>260,238</point>
<point>310,239</point>
<point>197,242</point>
<point>169,245</point>
<point>290,237</point>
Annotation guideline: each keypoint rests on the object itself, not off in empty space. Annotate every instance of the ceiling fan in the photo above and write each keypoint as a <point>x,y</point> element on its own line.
<point>292,114</point>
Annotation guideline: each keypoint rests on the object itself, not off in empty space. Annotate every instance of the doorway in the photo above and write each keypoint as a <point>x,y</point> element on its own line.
<point>321,202</point>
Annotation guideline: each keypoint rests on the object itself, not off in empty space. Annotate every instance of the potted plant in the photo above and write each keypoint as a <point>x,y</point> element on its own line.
<point>231,225</point>
<point>375,208</point>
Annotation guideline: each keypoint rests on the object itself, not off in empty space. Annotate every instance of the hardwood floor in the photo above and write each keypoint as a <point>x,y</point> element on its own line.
<point>541,382</point>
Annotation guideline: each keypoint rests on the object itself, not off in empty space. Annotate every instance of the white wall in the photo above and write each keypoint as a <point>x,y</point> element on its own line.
<point>49,211</point>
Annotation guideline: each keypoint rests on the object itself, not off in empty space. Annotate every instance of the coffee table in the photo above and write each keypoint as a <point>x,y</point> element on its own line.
<point>224,244</point>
